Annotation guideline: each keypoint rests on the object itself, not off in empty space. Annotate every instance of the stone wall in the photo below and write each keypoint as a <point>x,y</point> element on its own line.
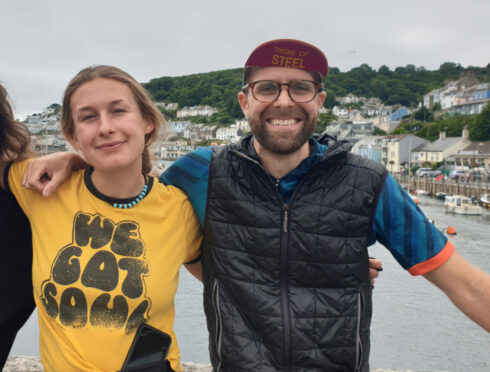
<point>33,364</point>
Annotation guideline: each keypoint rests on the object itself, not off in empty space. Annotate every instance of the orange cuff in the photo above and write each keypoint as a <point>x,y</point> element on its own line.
<point>433,263</point>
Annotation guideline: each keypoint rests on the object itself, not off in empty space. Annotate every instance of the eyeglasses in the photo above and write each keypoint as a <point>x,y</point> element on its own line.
<point>301,91</point>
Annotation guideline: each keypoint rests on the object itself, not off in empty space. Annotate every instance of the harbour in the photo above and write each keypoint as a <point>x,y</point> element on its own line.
<point>432,186</point>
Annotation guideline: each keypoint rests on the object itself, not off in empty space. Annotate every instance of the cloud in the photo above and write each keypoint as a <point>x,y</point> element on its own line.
<point>45,43</point>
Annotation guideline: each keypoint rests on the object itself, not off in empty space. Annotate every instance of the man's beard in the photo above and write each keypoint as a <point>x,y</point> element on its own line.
<point>285,143</point>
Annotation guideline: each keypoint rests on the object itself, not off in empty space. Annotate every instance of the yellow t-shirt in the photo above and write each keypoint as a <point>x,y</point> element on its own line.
<point>99,272</point>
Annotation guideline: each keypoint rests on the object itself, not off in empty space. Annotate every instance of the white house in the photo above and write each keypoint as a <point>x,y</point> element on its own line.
<point>179,126</point>
<point>441,149</point>
<point>196,111</point>
<point>174,150</point>
<point>340,111</point>
<point>463,96</point>
<point>242,125</point>
<point>228,134</point>
<point>397,151</point>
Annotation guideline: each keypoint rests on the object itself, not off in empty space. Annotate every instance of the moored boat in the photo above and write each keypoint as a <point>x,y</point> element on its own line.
<point>485,201</point>
<point>460,204</point>
<point>441,195</point>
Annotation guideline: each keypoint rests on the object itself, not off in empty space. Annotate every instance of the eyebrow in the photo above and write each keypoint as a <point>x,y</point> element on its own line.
<point>89,108</point>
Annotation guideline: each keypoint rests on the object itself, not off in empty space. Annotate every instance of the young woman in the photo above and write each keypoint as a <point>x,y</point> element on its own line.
<point>108,244</point>
<point>15,245</point>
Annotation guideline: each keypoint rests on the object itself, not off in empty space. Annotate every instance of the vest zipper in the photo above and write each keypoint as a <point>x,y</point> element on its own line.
<point>218,321</point>
<point>284,255</point>
<point>285,291</point>
<point>359,350</point>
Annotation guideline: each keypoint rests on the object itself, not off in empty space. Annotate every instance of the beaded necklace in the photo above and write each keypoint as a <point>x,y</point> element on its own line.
<point>135,201</point>
<point>117,203</point>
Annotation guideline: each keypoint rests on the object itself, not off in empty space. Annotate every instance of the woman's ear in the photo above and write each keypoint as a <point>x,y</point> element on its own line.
<point>150,127</point>
<point>72,140</point>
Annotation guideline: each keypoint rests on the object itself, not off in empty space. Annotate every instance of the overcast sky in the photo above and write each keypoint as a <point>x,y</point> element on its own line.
<point>45,43</point>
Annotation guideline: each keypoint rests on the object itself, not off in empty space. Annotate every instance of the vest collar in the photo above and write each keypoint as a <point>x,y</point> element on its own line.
<point>246,147</point>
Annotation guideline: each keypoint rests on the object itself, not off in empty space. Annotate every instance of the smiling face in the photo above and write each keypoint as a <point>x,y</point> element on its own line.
<point>109,128</point>
<point>282,126</point>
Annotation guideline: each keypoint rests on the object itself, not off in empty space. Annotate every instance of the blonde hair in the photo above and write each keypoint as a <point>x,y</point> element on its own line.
<point>148,109</point>
<point>14,136</point>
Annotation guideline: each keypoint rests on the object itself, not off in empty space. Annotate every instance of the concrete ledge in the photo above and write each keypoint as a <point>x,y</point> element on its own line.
<point>33,364</point>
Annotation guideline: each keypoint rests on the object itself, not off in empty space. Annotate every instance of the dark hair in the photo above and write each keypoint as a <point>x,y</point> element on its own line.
<point>148,109</point>
<point>14,136</point>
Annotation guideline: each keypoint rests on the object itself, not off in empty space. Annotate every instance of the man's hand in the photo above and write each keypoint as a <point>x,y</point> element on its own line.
<point>195,269</point>
<point>46,173</point>
<point>375,266</point>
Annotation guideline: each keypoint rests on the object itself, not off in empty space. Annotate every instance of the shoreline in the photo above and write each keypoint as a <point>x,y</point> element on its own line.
<point>33,364</point>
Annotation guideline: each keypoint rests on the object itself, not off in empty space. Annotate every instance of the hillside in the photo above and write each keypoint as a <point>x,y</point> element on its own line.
<point>403,85</point>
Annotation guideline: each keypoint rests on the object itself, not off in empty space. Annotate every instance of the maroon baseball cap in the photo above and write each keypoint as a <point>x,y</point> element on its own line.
<point>289,53</point>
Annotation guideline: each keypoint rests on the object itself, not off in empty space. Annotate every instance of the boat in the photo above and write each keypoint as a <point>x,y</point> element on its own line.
<point>441,195</point>
<point>485,201</point>
<point>421,192</point>
<point>460,204</point>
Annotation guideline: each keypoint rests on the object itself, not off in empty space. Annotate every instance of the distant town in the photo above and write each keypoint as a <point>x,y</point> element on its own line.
<point>365,122</point>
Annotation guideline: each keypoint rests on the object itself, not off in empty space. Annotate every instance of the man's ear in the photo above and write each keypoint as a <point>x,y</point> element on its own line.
<point>243,100</point>
<point>321,98</point>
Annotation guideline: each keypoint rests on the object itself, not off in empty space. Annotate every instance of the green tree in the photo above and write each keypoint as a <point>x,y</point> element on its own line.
<point>430,132</point>
<point>221,117</point>
<point>330,99</point>
<point>423,114</point>
<point>168,114</point>
<point>323,121</point>
<point>379,89</point>
<point>56,107</point>
<point>232,107</point>
<point>384,70</point>
<point>480,129</point>
<point>404,85</point>
<point>451,70</point>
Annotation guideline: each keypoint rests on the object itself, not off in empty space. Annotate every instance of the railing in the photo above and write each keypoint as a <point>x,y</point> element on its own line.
<point>448,186</point>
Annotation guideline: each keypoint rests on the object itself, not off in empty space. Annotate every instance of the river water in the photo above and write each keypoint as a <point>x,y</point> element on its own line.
<point>414,325</point>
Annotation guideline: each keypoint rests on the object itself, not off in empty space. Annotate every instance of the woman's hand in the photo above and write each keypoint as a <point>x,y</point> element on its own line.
<point>46,173</point>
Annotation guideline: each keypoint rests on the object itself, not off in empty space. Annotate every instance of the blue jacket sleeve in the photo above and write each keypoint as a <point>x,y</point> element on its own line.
<point>190,173</point>
<point>401,226</point>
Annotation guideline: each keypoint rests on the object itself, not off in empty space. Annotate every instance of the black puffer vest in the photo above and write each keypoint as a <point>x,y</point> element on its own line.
<point>287,288</point>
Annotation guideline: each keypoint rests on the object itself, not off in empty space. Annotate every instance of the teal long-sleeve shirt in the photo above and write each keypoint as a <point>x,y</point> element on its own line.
<point>399,224</point>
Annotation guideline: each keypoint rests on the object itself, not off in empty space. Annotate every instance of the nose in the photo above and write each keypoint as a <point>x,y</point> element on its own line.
<point>105,124</point>
<point>284,100</point>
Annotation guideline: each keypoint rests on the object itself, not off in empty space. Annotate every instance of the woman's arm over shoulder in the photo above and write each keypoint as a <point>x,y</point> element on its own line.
<point>45,174</point>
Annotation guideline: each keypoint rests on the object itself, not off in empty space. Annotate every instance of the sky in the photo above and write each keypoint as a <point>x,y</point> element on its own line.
<point>45,43</point>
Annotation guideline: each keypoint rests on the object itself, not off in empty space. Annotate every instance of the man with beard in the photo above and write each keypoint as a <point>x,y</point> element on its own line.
<point>287,221</point>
